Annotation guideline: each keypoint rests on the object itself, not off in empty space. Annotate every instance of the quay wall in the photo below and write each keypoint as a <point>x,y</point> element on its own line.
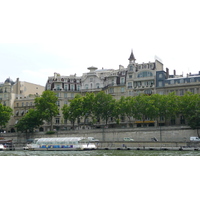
<point>163,134</point>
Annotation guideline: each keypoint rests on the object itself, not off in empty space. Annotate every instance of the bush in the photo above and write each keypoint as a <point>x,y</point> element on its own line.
<point>50,132</point>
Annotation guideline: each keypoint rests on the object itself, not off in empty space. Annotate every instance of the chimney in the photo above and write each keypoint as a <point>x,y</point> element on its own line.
<point>167,73</point>
<point>174,72</point>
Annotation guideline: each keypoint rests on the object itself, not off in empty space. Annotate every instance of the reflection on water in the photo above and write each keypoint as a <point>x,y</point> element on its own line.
<point>101,153</point>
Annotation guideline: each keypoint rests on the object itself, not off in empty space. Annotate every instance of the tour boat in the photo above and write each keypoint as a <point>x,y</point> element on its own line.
<point>61,144</point>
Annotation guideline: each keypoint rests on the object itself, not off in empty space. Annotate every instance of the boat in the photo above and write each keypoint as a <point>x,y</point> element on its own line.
<point>7,144</point>
<point>61,144</point>
<point>2,148</point>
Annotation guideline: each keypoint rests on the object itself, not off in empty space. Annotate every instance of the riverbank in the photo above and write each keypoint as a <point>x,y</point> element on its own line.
<point>167,136</point>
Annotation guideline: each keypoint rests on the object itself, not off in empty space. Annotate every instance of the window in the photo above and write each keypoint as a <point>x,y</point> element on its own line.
<point>58,87</point>
<point>160,75</point>
<point>130,93</point>
<point>181,80</point>
<point>181,92</point>
<point>72,95</point>
<point>111,90</point>
<point>26,103</point>
<point>131,68</point>
<point>122,81</point>
<point>72,87</point>
<point>173,121</point>
<point>48,86</point>
<point>172,82</point>
<point>144,74</point>
<point>78,87</point>
<point>65,95</point>
<point>192,90</point>
<point>122,89</point>
<point>91,79</point>
<point>192,80</point>
<point>58,103</point>
<point>182,120</point>
<point>130,76</point>
<point>160,83</point>
<point>57,120</point>
<point>66,87</point>
<point>22,103</point>
<point>86,86</point>
<point>161,92</point>
<point>97,85</point>
<point>129,84</point>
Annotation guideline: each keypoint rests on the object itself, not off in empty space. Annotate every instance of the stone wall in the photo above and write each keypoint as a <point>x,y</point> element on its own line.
<point>164,134</point>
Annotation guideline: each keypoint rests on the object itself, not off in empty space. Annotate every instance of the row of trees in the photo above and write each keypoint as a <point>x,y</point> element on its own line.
<point>101,106</point>
<point>104,106</point>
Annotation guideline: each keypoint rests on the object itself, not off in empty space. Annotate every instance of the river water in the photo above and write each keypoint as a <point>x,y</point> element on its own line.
<point>101,153</point>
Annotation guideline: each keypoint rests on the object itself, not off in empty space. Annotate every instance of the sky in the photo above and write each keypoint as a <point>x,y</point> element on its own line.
<point>38,38</point>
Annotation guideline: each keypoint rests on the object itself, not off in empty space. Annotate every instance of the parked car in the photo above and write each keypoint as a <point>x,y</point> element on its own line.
<point>127,139</point>
<point>92,139</point>
<point>194,139</point>
<point>154,139</point>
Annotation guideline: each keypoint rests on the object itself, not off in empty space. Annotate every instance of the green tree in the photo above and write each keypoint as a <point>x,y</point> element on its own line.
<point>104,106</point>
<point>143,107</point>
<point>74,111</point>
<point>30,121</point>
<point>88,107</point>
<point>5,114</point>
<point>46,105</point>
<point>190,109</point>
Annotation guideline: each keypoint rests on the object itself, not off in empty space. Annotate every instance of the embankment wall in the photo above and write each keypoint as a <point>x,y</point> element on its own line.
<point>163,134</point>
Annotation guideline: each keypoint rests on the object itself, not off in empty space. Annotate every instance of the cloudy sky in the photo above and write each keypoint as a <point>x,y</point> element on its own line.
<point>38,38</point>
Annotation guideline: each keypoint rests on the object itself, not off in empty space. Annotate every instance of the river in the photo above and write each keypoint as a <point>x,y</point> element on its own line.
<point>101,153</point>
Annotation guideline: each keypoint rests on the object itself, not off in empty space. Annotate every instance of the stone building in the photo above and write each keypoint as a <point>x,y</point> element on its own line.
<point>18,95</point>
<point>130,81</point>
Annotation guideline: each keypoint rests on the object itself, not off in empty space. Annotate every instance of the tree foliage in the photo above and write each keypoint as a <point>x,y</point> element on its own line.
<point>103,106</point>
<point>46,105</point>
<point>190,109</point>
<point>5,114</point>
<point>30,121</point>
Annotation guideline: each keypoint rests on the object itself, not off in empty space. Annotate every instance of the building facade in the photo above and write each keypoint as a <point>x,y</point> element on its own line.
<point>18,95</point>
<point>132,80</point>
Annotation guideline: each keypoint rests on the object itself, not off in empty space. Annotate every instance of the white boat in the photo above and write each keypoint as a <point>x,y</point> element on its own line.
<point>61,144</point>
<point>2,148</point>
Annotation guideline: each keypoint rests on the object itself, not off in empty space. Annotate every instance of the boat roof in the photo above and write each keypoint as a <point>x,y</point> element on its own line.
<point>67,139</point>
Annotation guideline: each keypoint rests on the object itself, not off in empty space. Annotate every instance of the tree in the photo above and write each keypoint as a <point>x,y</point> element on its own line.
<point>88,106</point>
<point>143,107</point>
<point>104,106</point>
<point>190,109</point>
<point>30,121</point>
<point>74,111</point>
<point>46,105</point>
<point>5,114</point>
